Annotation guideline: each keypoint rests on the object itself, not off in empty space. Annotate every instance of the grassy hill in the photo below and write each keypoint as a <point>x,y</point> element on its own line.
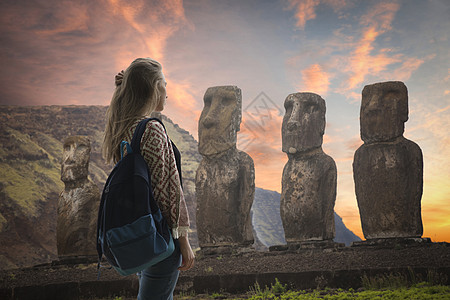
<point>30,160</point>
<point>31,144</point>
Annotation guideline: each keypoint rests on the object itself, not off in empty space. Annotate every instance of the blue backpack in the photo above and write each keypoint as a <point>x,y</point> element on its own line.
<point>132,234</point>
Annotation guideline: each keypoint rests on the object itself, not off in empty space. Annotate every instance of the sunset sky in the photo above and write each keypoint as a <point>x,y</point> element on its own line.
<point>67,52</point>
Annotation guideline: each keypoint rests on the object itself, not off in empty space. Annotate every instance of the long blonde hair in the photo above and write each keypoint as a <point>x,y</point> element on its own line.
<point>138,94</point>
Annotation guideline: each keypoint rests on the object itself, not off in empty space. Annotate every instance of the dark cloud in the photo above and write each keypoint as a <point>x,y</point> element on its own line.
<point>67,52</point>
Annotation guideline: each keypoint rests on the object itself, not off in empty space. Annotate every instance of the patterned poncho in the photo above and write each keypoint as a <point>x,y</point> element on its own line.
<point>157,151</point>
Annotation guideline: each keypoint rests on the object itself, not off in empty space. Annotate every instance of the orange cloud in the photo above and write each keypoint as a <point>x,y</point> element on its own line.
<point>354,143</point>
<point>447,78</point>
<point>337,4</point>
<point>72,17</point>
<point>315,79</point>
<point>445,108</point>
<point>328,139</point>
<point>429,121</point>
<point>129,10</point>
<point>304,10</point>
<point>435,210</point>
<point>149,26</point>
<point>179,95</point>
<point>72,50</point>
<point>263,130</point>
<point>430,133</point>
<point>182,105</point>
<point>260,137</point>
<point>362,62</point>
<point>154,24</point>
<point>407,68</point>
<point>380,16</point>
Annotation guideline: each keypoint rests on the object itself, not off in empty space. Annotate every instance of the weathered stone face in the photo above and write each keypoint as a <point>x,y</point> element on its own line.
<point>304,122</point>
<point>225,191</point>
<point>78,203</point>
<point>75,158</point>
<point>220,119</point>
<point>388,185</point>
<point>384,110</point>
<point>308,197</point>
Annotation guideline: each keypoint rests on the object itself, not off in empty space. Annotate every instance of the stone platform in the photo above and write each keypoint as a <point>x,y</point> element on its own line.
<point>235,273</point>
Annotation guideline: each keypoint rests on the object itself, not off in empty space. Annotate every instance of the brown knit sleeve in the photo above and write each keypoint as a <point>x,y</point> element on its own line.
<point>157,151</point>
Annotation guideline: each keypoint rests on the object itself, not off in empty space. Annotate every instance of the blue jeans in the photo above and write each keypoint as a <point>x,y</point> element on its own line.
<point>158,281</point>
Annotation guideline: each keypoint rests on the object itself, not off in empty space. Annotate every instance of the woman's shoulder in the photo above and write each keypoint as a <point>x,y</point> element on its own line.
<point>156,125</point>
<point>152,124</point>
<point>155,131</point>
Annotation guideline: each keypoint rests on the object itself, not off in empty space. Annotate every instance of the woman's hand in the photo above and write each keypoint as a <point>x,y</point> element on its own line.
<point>186,253</point>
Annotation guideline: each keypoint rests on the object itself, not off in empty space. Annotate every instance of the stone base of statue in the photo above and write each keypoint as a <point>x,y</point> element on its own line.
<point>320,245</point>
<point>278,248</point>
<point>75,260</point>
<point>392,242</point>
<point>231,249</point>
<point>307,245</point>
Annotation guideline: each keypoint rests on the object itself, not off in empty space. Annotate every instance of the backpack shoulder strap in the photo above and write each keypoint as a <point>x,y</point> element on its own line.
<point>139,131</point>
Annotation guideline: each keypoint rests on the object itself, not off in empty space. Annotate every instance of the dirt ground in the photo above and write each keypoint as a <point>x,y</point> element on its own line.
<point>431,255</point>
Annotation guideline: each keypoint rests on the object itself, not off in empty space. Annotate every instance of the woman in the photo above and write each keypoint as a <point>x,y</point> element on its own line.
<point>140,90</point>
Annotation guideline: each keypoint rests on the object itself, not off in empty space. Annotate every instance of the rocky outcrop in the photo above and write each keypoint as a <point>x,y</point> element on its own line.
<point>309,177</point>
<point>388,168</point>
<point>78,203</point>
<point>225,179</point>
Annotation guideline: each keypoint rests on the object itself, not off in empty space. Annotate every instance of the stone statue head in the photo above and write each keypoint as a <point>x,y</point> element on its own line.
<point>303,123</point>
<point>220,119</point>
<point>75,160</point>
<point>384,111</point>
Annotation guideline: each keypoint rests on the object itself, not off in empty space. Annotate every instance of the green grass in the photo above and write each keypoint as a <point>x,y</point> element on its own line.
<point>51,145</point>
<point>419,292</point>
<point>397,280</point>
<point>415,292</point>
<point>27,191</point>
<point>30,175</point>
<point>279,291</point>
<point>391,286</point>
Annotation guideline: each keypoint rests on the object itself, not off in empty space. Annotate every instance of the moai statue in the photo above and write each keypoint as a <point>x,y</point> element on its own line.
<point>387,168</point>
<point>309,177</point>
<point>225,179</point>
<point>78,203</point>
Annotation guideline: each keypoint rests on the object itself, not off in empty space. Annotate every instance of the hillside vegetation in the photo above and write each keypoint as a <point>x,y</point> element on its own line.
<point>30,161</point>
